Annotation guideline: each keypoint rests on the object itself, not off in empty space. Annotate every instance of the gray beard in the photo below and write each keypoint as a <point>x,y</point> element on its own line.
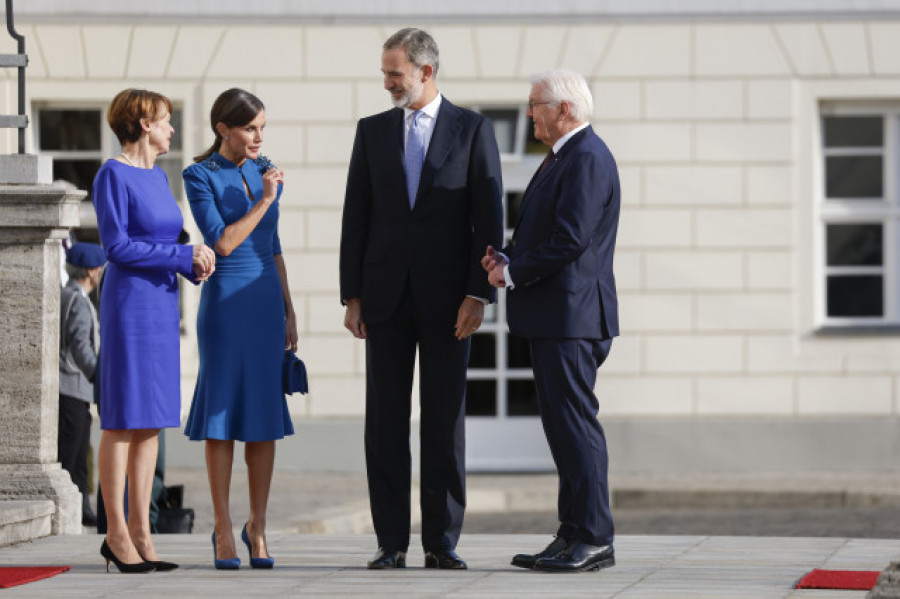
<point>410,97</point>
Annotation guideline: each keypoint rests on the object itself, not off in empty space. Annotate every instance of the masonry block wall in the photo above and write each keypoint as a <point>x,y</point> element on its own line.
<point>705,119</point>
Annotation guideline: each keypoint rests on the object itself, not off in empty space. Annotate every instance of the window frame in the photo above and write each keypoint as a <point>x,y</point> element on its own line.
<point>884,211</point>
<point>518,167</point>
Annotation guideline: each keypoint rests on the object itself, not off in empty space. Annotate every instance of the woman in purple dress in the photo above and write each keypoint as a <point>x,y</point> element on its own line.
<point>139,222</point>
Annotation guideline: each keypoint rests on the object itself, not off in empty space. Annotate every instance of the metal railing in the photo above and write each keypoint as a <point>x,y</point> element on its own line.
<point>19,61</point>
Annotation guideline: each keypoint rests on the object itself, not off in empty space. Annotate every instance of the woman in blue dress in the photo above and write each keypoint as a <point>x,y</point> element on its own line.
<point>139,222</point>
<point>245,319</point>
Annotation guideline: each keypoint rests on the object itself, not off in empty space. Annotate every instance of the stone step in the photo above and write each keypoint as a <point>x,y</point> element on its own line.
<point>25,520</point>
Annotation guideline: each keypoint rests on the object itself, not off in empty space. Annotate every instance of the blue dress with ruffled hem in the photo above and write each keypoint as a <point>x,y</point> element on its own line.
<point>240,321</point>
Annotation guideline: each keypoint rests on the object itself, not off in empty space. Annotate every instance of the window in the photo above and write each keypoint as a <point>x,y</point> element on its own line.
<point>79,140</point>
<point>500,380</point>
<point>513,130</point>
<point>860,216</point>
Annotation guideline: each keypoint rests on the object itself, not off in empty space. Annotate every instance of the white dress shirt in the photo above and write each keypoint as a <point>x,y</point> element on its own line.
<point>427,121</point>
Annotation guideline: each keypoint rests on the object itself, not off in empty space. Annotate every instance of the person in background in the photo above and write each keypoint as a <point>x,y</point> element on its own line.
<point>79,341</point>
<point>245,320</point>
<point>140,373</point>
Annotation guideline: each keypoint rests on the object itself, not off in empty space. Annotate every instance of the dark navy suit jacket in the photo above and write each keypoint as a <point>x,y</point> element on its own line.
<point>561,256</point>
<point>437,246</point>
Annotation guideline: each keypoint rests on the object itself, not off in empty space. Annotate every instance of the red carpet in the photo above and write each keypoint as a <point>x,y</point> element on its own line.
<point>843,580</point>
<point>12,576</point>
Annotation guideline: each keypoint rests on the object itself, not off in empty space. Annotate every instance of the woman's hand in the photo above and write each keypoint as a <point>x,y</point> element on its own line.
<point>204,262</point>
<point>290,336</point>
<point>271,179</point>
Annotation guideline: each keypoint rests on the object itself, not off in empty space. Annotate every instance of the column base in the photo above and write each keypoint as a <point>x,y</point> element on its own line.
<point>48,482</point>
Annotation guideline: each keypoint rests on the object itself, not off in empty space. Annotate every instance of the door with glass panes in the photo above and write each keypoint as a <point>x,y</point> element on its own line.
<point>503,428</point>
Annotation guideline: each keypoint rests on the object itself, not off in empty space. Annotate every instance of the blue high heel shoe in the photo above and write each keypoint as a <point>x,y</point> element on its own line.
<point>256,562</point>
<point>224,564</point>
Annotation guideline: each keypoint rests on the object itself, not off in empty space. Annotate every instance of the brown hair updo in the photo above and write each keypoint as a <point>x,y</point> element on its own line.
<point>234,107</point>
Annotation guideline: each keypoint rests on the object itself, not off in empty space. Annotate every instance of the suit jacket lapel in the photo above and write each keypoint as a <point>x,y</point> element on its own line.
<point>540,175</point>
<point>446,131</point>
<point>393,156</point>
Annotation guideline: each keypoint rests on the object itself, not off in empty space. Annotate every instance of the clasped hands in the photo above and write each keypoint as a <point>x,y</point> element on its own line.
<point>493,263</point>
<point>204,262</point>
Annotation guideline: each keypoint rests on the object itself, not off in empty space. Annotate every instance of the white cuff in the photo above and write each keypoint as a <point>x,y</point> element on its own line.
<point>509,282</point>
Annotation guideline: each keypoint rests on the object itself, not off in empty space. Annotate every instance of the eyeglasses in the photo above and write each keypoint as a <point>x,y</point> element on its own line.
<point>531,104</point>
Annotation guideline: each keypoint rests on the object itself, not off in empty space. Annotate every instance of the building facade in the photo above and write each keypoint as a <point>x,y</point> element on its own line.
<point>758,262</point>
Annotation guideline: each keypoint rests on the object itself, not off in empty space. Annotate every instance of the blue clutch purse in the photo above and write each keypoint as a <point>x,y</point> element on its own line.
<point>293,374</point>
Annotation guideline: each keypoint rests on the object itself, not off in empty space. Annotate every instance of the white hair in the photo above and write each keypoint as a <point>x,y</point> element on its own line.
<point>567,86</point>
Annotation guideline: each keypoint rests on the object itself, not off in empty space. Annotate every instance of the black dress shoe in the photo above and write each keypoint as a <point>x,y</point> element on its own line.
<point>578,557</point>
<point>387,560</point>
<point>526,560</point>
<point>445,559</point>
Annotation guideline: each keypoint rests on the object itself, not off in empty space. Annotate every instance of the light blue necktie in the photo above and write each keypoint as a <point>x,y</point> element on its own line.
<point>414,156</point>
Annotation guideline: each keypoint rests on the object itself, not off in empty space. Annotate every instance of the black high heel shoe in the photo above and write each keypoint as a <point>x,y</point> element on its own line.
<point>124,568</point>
<point>159,565</point>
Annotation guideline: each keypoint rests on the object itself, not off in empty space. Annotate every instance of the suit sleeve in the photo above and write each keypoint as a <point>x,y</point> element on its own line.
<point>582,193</point>
<point>78,337</point>
<point>111,205</point>
<point>485,207</point>
<point>355,224</point>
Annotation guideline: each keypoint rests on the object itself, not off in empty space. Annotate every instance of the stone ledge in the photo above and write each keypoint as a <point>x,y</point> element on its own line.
<point>26,169</point>
<point>22,520</point>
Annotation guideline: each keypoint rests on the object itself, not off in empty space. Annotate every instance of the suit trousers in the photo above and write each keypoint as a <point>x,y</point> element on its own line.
<point>390,363</point>
<point>73,441</point>
<point>565,371</point>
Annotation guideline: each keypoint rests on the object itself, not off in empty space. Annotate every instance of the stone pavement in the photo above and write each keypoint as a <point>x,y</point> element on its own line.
<point>308,565</point>
<point>320,534</point>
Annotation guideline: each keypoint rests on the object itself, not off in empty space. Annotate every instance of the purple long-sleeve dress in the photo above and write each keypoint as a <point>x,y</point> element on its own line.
<point>140,371</point>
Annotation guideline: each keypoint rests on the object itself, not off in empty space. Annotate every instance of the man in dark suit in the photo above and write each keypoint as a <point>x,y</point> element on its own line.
<point>558,270</point>
<point>422,205</point>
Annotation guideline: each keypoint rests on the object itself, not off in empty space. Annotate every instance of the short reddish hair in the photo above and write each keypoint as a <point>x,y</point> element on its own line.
<point>130,106</point>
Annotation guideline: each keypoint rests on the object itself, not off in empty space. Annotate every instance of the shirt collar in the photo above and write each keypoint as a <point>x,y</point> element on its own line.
<point>562,140</point>
<point>430,109</point>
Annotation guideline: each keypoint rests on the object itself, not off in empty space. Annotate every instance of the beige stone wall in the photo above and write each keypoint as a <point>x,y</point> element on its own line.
<point>713,125</point>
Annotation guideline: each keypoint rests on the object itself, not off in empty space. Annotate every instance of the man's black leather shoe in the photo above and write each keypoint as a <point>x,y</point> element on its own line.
<point>387,560</point>
<point>578,557</point>
<point>444,559</point>
<point>526,560</point>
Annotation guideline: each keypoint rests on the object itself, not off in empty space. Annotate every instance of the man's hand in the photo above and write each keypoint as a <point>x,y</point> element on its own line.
<point>353,319</point>
<point>491,259</point>
<point>469,318</point>
<point>496,278</point>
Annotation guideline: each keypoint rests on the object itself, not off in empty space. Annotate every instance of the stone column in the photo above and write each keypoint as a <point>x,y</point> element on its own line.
<point>888,585</point>
<point>34,216</point>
